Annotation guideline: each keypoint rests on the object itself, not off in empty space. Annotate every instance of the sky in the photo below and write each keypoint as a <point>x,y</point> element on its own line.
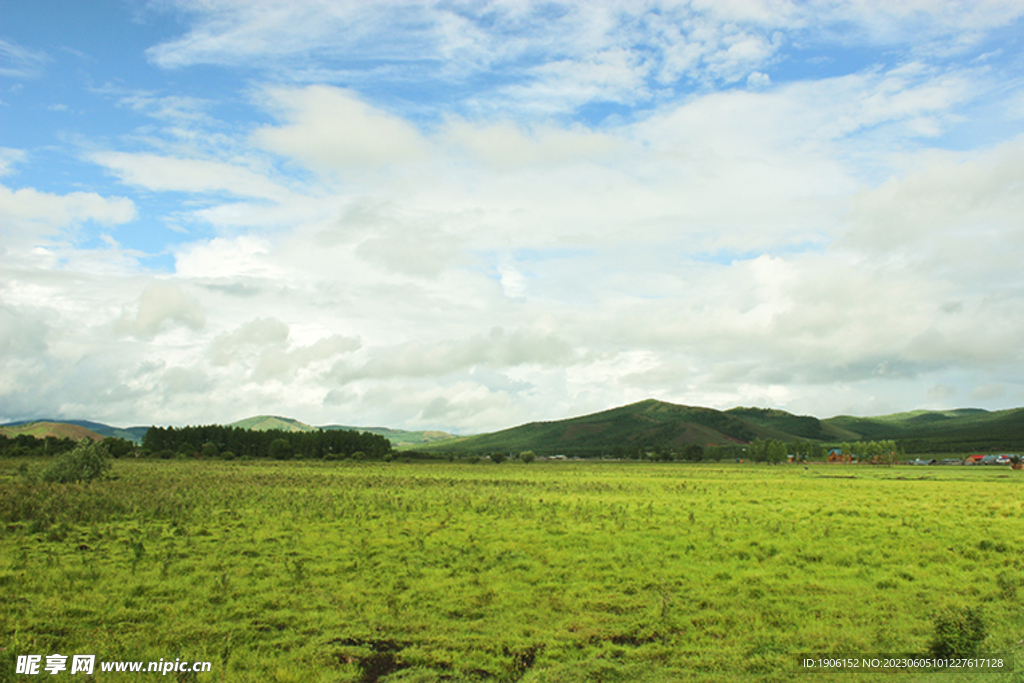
<point>470,215</point>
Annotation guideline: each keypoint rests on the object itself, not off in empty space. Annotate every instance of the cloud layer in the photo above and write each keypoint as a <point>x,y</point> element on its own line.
<point>425,215</point>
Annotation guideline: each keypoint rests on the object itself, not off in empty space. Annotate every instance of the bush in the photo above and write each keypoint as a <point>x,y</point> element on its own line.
<point>959,632</point>
<point>118,448</point>
<point>87,461</point>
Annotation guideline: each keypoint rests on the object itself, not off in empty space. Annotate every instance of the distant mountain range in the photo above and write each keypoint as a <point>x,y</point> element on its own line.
<point>74,429</point>
<point>650,424</point>
<point>80,429</point>
<point>399,438</point>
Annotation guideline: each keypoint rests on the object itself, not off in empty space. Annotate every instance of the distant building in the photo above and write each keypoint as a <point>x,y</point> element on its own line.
<point>837,456</point>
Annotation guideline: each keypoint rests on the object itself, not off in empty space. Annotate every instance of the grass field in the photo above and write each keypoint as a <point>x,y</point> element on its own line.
<point>569,571</point>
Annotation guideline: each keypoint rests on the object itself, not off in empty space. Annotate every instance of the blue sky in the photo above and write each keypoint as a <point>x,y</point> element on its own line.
<point>467,215</point>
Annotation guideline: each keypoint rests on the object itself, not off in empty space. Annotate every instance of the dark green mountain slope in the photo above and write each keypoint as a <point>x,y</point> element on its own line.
<point>803,426</point>
<point>968,429</point>
<point>647,424</point>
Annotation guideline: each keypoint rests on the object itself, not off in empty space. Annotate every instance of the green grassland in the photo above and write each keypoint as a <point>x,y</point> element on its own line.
<point>547,572</point>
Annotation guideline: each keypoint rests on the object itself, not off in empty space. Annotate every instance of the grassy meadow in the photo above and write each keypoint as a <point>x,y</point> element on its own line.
<point>551,571</point>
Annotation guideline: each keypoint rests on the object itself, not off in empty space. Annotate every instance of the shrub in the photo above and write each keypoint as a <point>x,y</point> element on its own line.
<point>87,461</point>
<point>118,448</point>
<point>959,632</point>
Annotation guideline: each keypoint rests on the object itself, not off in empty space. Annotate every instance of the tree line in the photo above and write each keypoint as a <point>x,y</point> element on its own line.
<point>229,442</point>
<point>27,445</point>
<point>21,445</point>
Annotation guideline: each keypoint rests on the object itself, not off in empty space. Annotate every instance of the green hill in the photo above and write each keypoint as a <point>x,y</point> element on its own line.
<point>803,426</point>
<point>266,423</point>
<point>922,431</point>
<point>41,430</point>
<point>135,434</point>
<point>401,438</point>
<point>656,424</point>
<point>647,424</point>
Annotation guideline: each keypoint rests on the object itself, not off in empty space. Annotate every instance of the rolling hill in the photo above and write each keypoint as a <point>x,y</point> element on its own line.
<point>399,438</point>
<point>135,434</point>
<point>41,430</point>
<point>920,431</point>
<point>646,424</point>
<point>266,423</point>
<point>652,423</point>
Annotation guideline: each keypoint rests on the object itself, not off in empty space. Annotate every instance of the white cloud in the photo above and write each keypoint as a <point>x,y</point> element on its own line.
<point>507,145</point>
<point>21,333</point>
<point>8,158</point>
<point>27,213</point>
<point>612,75</point>
<point>497,349</point>
<point>175,109</point>
<point>988,391</point>
<point>162,305</point>
<point>282,364</point>
<point>467,252</point>
<point>156,172</point>
<point>262,347</point>
<point>330,128</point>
<point>757,80</point>
<point>955,211</point>
<point>259,333</point>
<point>559,55</point>
<point>227,259</point>
<point>467,228</point>
<point>20,62</point>
<point>179,381</point>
